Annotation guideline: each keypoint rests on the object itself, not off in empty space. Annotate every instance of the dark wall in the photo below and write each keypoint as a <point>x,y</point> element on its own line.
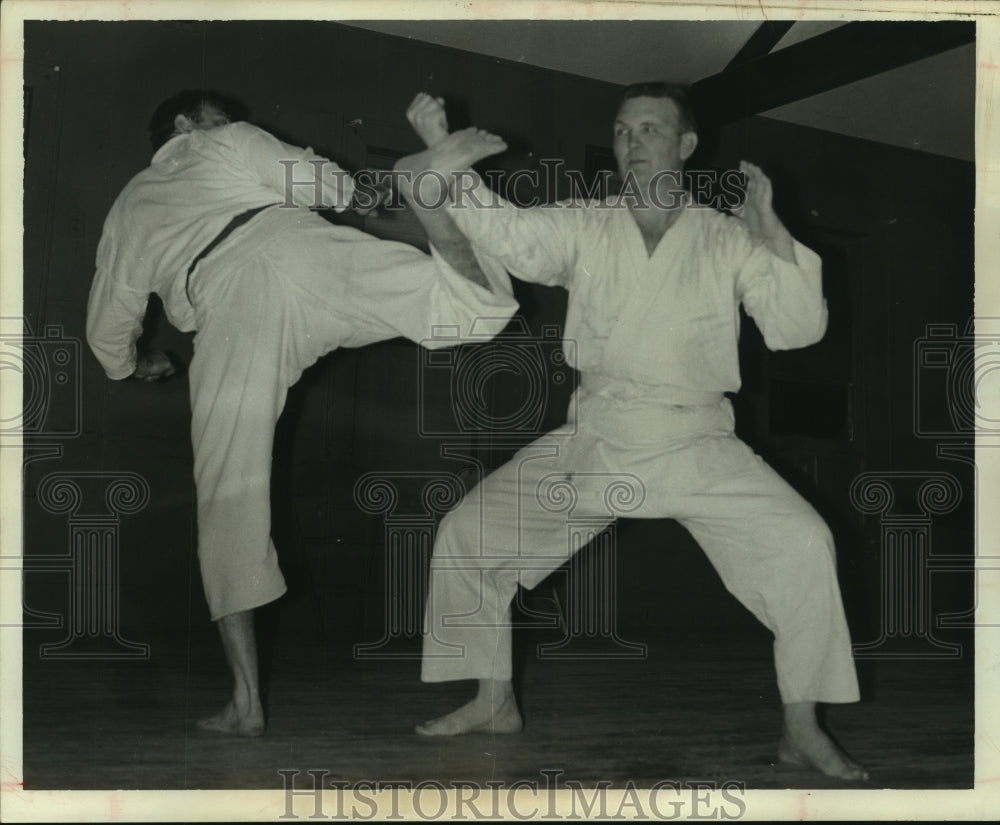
<point>904,220</point>
<point>895,227</point>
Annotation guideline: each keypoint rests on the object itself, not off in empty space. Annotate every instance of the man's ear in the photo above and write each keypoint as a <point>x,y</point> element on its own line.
<point>689,141</point>
<point>183,124</point>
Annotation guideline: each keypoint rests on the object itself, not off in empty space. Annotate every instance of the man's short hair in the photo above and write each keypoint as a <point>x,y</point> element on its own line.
<point>670,91</point>
<point>190,103</point>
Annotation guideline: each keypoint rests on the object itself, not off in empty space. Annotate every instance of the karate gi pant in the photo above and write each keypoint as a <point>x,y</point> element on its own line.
<point>772,550</point>
<point>275,296</point>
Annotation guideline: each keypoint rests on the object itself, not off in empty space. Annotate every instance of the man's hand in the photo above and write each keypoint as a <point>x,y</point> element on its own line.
<point>758,213</point>
<point>153,366</point>
<point>428,119</point>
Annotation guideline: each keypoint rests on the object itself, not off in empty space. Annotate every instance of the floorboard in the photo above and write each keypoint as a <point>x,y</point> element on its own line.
<point>698,706</point>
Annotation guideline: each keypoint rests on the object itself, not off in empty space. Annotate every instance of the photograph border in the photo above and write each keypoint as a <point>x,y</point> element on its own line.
<point>19,805</point>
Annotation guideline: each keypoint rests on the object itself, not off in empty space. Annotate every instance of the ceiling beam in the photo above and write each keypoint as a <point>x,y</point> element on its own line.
<point>766,37</point>
<point>828,61</point>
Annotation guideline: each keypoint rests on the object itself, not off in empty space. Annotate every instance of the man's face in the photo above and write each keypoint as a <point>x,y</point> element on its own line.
<point>648,138</point>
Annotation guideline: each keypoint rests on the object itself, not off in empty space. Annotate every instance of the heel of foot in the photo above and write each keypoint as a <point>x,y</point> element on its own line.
<point>828,760</point>
<point>475,717</point>
<point>790,755</point>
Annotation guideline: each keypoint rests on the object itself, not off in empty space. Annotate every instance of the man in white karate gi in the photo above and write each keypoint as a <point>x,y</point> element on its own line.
<point>654,295</point>
<point>221,227</point>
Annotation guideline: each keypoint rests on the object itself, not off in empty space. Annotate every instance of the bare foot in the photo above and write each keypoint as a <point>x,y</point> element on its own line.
<point>425,176</point>
<point>487,713</point>
<point>814,749</point>
<point>232,722</point>
<point>459,150</point>
<point>428,119</point>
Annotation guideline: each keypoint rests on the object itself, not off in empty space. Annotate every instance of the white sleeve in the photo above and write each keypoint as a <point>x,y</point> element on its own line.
<point>115,313</point>
<point>536,243</point>
<point>785,299</point>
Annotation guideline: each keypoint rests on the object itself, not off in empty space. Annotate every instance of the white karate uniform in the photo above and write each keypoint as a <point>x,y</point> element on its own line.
<point>267,302</point>
<point>655,338</point>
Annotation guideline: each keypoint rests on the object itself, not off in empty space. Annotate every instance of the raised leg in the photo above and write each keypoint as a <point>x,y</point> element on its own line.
<point>445,236</point>
<point>427,116</point>
<point>426,177</point>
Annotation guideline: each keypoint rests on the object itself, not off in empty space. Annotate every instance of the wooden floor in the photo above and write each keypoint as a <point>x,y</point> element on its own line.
<point>701,705</point>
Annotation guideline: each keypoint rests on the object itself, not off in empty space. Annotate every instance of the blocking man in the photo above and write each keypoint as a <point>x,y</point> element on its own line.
<point>654,288</point>
<point>221,227</point>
